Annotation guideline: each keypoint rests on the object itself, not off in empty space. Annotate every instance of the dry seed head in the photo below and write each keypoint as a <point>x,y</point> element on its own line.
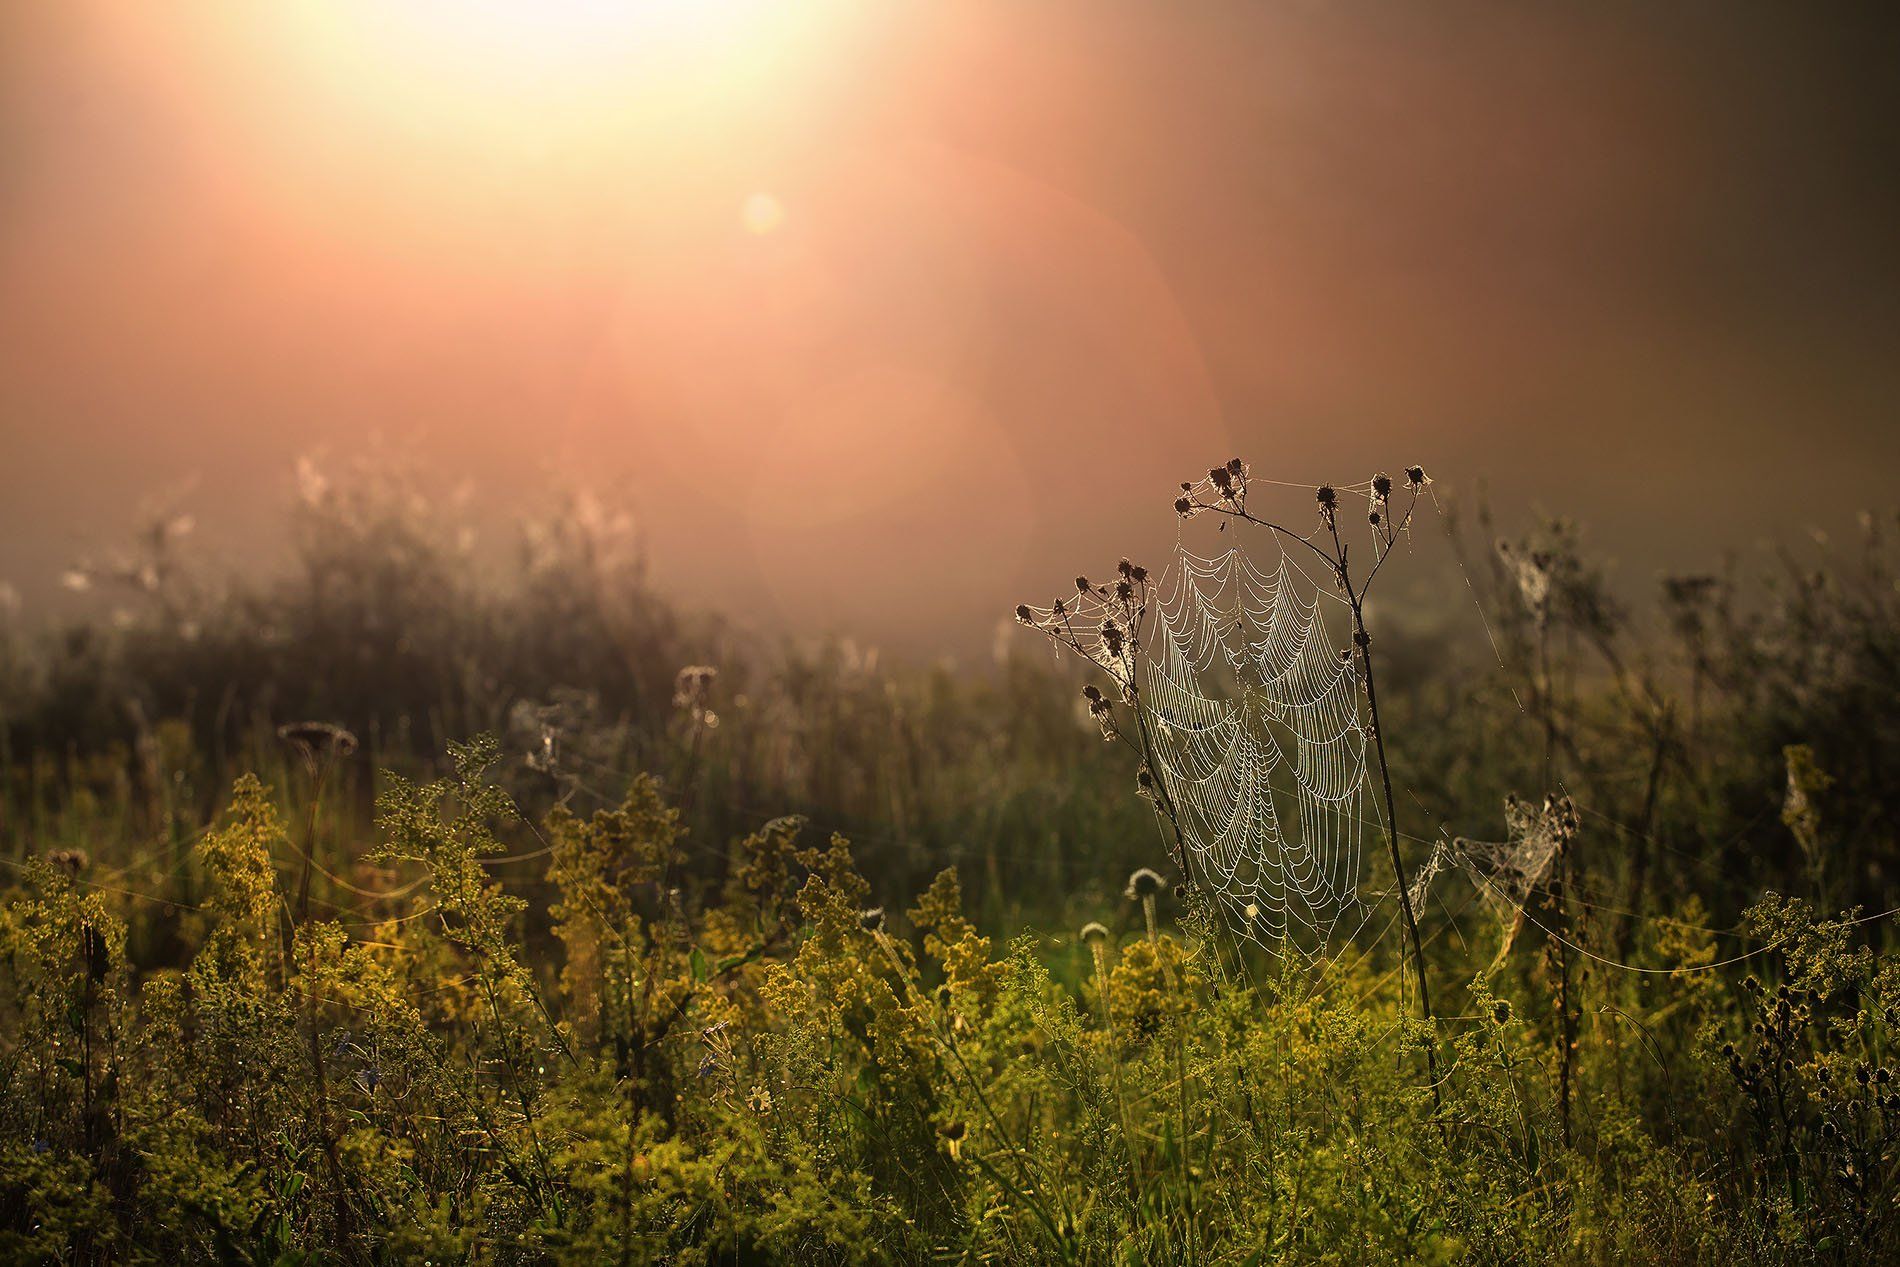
<point>1093,932</point>
<point>317,738</point>
<point>71,861</point>
<point>1144,883</point>
<point>872,920</point>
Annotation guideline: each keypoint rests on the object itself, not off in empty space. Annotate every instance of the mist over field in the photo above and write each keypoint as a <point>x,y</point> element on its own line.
<point>1118,633</point>
<point>825,283</point>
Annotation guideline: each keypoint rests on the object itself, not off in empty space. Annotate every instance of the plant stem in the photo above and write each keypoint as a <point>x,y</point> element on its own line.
<point>1364,642</point>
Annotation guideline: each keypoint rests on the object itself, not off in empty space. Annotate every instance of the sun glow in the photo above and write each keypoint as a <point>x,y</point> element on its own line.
<point>548,75</point>
<point>537,38</point>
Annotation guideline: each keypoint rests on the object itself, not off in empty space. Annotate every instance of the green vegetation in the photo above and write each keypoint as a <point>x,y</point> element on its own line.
<point>297,993</point>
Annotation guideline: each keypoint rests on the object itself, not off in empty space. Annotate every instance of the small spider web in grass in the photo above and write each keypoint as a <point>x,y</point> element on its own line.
<point>1506,872</point>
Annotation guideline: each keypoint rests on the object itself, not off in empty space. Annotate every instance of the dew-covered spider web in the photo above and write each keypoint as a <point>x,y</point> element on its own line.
<point>1505,872</point>
<point>1257,731</point>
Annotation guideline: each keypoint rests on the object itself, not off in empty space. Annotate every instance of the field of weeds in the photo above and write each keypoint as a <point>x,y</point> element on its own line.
<point>378,913</point>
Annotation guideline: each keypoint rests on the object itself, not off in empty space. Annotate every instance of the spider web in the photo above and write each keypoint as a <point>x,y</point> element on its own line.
<point>1505,872</point>
<point>1256,727</point>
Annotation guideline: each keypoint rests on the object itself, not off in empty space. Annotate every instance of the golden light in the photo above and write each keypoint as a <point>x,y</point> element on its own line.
<point>761,214</point>
<point>549,77</point>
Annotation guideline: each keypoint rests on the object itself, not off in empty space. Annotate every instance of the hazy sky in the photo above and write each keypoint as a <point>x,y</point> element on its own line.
<point>886,316</point>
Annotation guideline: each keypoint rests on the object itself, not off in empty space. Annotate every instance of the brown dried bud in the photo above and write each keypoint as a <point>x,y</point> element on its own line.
<point>1143,883</point>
